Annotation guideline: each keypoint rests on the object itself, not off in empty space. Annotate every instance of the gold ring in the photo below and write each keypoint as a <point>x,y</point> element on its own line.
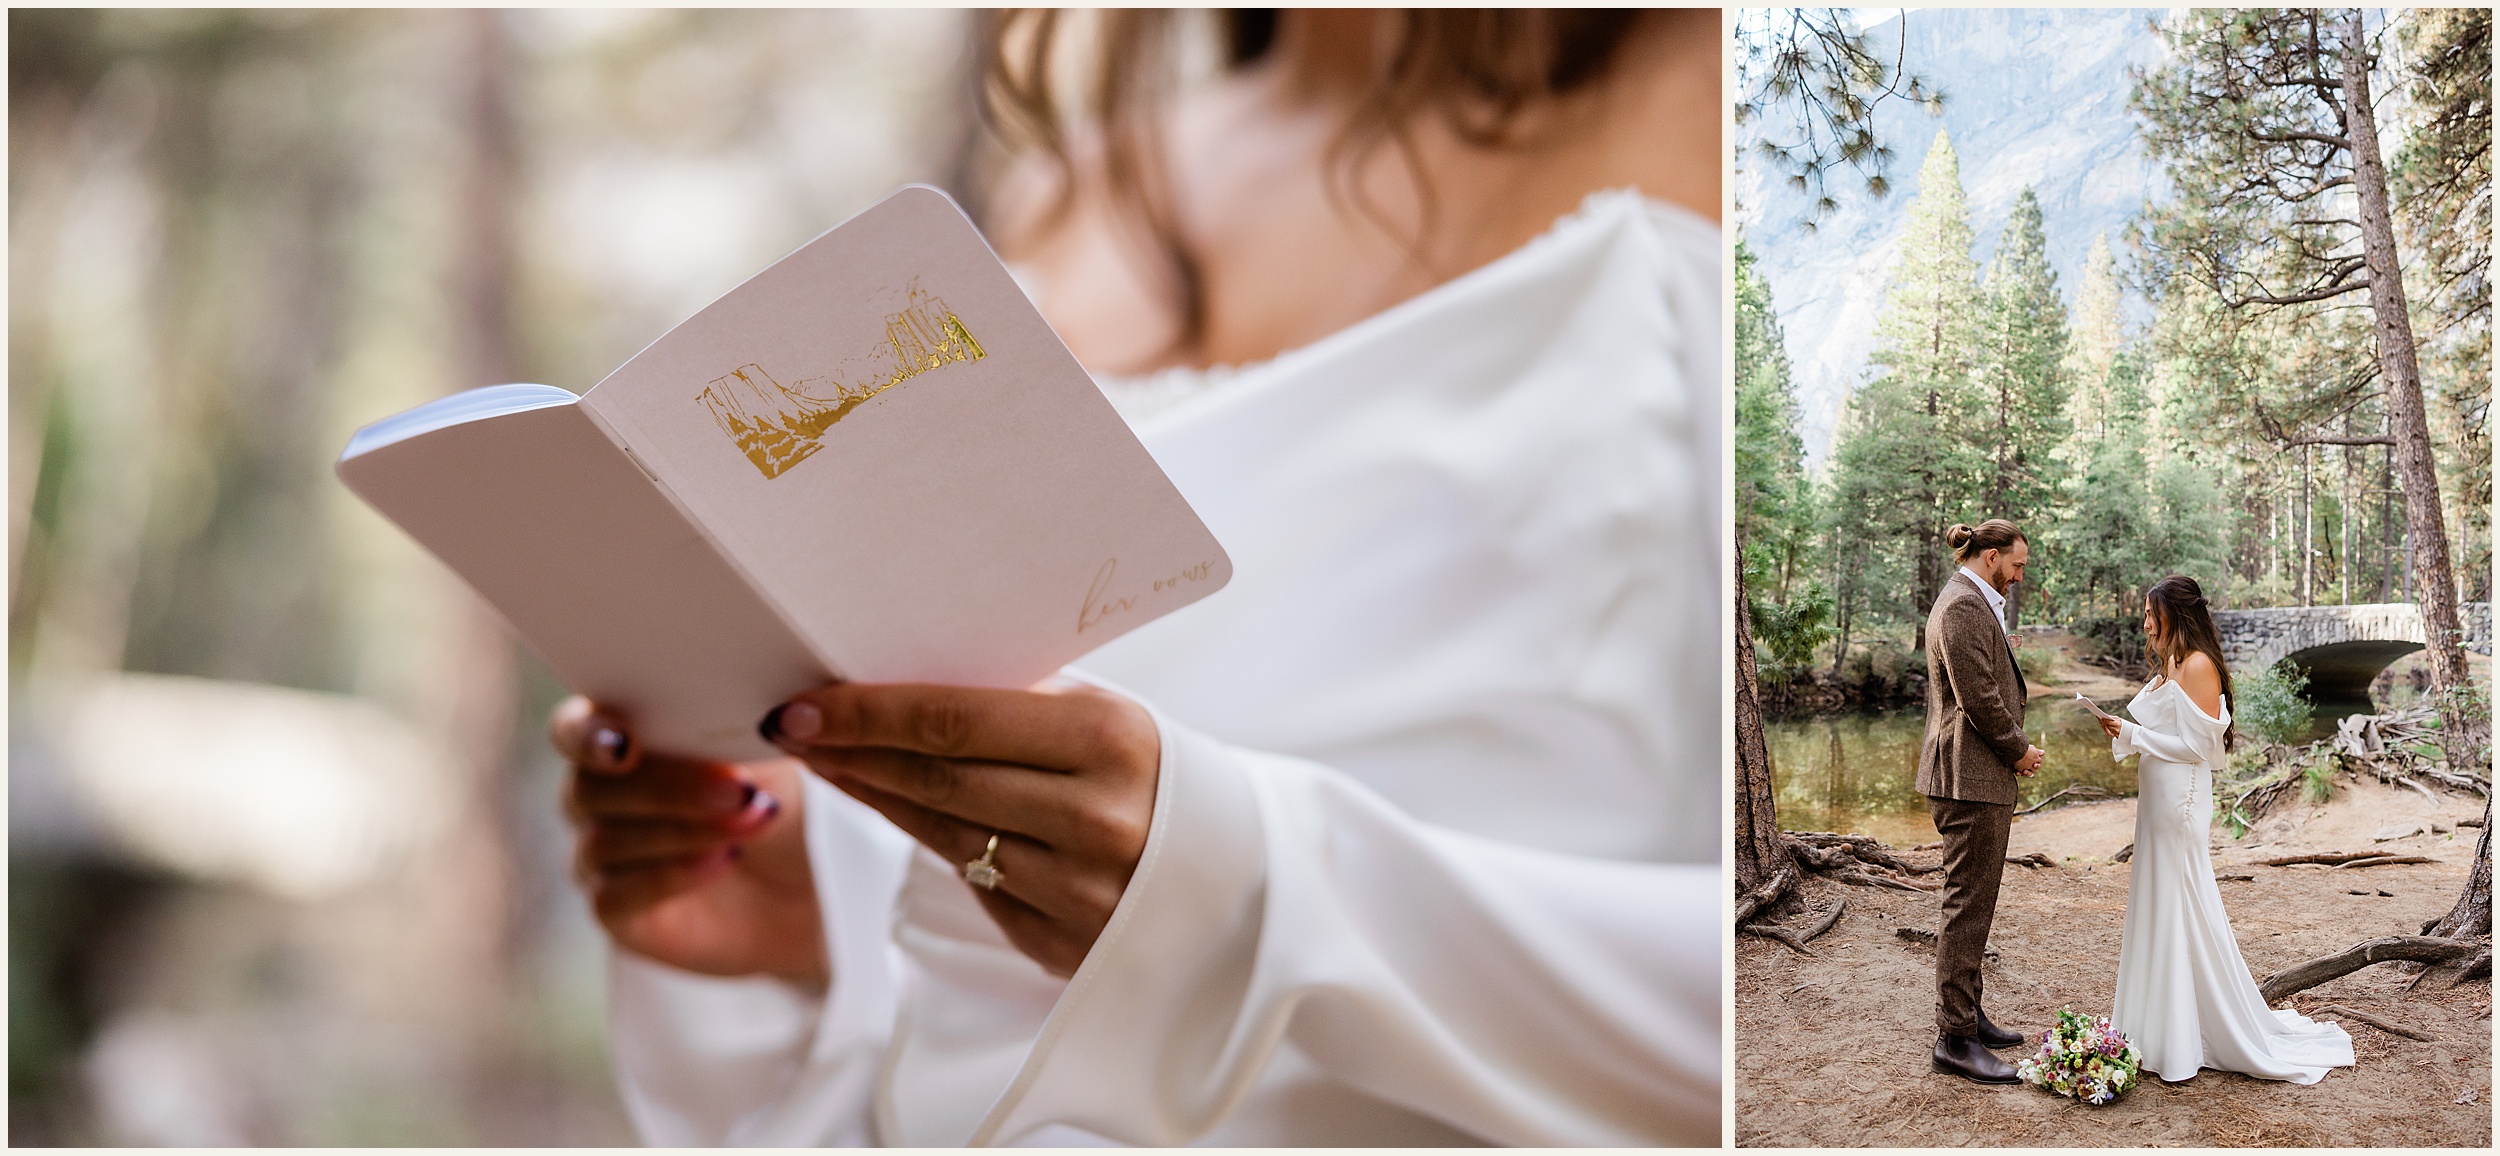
<point>983,872</point>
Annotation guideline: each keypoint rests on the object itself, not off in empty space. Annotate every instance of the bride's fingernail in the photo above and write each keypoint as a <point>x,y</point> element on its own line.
<point>760,808</point>
<point>799,720</point>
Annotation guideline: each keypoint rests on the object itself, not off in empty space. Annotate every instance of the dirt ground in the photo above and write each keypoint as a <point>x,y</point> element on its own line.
<point>1831,1051</point>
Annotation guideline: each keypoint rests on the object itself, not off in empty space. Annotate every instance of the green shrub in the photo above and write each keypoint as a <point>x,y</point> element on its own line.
<point>1785,636</point>
<point>2268,706</point>
<point>2317,779</point>
<point>2038,663</point>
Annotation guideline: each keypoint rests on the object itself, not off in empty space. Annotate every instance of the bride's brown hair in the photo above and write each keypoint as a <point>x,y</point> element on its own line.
<point>2186,626</point>
<point>1479,69</point>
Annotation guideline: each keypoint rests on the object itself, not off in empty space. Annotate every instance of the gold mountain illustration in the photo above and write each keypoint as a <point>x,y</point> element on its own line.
<point>778,426</point>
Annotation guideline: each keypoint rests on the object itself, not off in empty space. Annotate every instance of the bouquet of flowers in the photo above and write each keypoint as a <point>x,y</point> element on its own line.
<point>2085,1058</point>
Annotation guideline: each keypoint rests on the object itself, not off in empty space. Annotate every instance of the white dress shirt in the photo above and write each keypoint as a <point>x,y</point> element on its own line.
<point>1996,601</point>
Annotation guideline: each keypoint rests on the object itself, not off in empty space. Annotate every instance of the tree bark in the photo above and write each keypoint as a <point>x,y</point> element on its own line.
<point>2472,914</point>
<point>2407,423</point>
<point>1762,857</point>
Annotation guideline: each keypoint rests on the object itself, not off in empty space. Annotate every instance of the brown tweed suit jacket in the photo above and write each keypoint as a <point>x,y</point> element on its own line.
<point>1974,701</point>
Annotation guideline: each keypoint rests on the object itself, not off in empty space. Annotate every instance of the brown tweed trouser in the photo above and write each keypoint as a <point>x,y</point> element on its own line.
<point>1974,863</point>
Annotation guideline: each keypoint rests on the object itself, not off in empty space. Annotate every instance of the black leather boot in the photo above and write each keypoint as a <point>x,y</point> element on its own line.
<point>1993,1036</point>
<point>1962,1056</point>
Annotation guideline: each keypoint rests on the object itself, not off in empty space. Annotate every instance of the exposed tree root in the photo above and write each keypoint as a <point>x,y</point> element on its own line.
<point>1864,847</point>
<point>2385,949</point>
<point>2450,975</point>
<point>1856,859</point>
<point>2035,859</point>
<point>1797,938</point>
<point>1752,902</point>
<point>2385,860</point>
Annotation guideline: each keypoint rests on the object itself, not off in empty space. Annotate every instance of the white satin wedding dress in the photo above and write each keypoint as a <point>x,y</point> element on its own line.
<point>2185,998</point>
<point>1435,851</point>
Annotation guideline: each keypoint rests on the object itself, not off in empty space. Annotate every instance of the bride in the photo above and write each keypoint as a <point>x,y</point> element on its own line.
<point>1410,836</point>
<point>2185,999</point>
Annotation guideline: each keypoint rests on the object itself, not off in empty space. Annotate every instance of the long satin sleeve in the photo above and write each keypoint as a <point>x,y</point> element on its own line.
<point>1521,996</point>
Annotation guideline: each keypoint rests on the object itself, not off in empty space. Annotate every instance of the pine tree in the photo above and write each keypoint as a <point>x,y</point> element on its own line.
<point>1909,467</point>
<point>1775,502</point>
<point>1770,456</point>
<point>2099,336</point>
<point>2022,375</point>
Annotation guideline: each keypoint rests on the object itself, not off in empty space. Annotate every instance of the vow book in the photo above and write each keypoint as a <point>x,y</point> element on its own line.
<point>873,462</point>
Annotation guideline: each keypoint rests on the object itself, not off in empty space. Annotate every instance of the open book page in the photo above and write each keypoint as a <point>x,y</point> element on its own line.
<point>523,496</point>
<point>887,439</point>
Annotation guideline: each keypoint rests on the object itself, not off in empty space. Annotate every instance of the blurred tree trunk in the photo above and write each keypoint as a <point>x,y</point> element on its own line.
<point>474,700</point>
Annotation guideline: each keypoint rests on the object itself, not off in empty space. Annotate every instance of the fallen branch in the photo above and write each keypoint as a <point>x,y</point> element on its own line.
<point>2393,1029</point>
<point>2035,859</point>
<point>2385,949</point>
<point>2078,789</point>
<point>1751,902</point>
<point>2330,857</point>
<point>2385,860</point>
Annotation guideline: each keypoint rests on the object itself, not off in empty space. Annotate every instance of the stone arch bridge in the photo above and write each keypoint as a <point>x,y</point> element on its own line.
<point>2341,647</point>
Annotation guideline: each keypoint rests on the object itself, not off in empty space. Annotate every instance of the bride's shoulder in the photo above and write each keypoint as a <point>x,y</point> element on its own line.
<point>2200,677</point>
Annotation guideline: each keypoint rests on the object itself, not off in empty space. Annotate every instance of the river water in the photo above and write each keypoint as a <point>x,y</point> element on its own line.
<point>1858,772</point>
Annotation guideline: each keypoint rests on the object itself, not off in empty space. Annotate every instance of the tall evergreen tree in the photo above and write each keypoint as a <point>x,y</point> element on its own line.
<point>1770,456</point>
<point>1775,502</point>
<point>2022,375</point>
<point>2099,335</point>
<point>1908,468</point>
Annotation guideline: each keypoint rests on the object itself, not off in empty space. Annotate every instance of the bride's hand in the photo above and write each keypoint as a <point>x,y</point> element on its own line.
<point>1063,776</point>
<point>2109,726</point>
<point>699,865</point>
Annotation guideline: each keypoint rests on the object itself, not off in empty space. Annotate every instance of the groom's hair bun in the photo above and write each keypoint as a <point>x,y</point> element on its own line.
<point>1969,542</point>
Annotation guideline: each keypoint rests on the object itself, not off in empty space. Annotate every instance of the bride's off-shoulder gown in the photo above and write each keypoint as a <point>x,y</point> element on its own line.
<point>2185,998</point>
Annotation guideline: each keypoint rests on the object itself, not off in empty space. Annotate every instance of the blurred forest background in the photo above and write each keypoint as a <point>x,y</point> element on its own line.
<point>285,859</point>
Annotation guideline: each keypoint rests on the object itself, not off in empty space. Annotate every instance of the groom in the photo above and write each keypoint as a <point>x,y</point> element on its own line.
<point>1973,751</point>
